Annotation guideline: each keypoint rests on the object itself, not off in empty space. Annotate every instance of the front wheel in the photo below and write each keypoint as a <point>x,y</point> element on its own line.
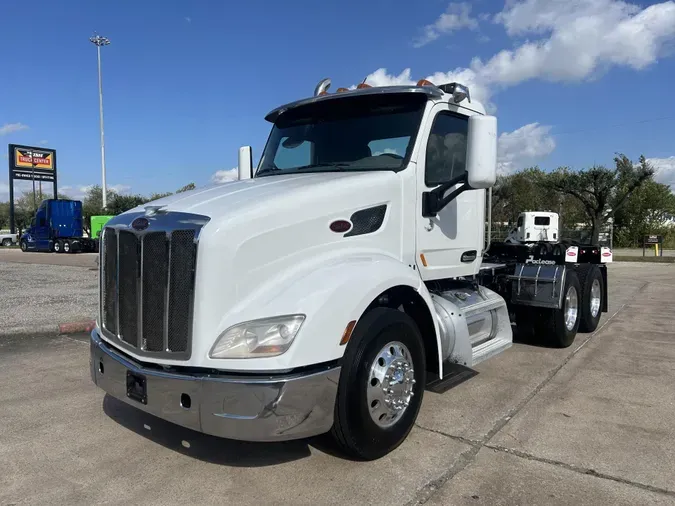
<point>24,246</point>
<point>381,384</point>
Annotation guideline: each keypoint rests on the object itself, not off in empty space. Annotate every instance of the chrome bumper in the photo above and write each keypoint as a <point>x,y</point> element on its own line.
<point>249,408</point>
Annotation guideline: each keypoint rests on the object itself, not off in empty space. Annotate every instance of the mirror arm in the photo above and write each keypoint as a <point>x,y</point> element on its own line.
<point>433,202</point>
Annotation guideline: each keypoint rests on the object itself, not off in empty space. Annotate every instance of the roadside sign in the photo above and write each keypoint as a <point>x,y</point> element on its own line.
<point>653,240</point>
<point>30,163</point>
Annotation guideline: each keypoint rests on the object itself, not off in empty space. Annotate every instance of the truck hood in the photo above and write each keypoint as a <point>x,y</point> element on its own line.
<point>223,199</point>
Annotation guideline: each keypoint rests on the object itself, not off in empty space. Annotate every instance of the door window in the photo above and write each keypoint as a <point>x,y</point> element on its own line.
<point>446,149</point>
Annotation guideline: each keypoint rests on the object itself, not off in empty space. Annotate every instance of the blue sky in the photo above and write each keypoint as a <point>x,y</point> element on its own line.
<point>187,82</point>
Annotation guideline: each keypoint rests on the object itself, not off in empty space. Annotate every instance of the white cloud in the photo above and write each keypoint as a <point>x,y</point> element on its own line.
<point>581,38</point>
<point>43,143</point>
<point>188,19</point>
<point>456,17</point>
<point>78,192</point>
<point>665,170</point>
<point>523,146</point>
<point>9,128</point>
<point>225,176</point>
<point>464,76</point>
<point>570,40</point>
<point>391,151</point>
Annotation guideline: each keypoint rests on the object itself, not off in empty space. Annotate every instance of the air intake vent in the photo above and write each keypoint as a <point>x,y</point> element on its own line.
<point>367,221</point>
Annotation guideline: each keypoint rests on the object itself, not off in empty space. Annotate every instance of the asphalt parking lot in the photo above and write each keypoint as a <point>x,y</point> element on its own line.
<point>15,255</point>
<point>591,424</point>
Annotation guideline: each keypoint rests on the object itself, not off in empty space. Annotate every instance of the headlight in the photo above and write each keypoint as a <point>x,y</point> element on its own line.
<point>258,338</point>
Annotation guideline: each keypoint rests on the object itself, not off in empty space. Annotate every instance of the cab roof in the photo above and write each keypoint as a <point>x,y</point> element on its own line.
<point>432,92</point>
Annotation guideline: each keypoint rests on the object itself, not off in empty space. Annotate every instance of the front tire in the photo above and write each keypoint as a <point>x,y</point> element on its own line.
<point>6,243</point>
<point>381,384</point>
<point>24,246</point>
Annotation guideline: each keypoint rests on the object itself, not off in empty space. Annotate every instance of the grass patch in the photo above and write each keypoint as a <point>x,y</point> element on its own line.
<point>647,259</point>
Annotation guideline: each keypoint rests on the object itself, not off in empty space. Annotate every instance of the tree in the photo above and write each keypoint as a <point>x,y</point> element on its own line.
<point>186,188</point>
<point>527,191</point>
<point>4,215</point>
<point>92,205</point>
<point>601,191</point>
<point>24,211</point>
<point>645,212</point>
<point>121,203</point>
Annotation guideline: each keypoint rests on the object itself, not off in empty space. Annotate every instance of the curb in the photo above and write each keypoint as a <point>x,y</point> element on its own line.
<point>77,327</point>
<point>51,329</point>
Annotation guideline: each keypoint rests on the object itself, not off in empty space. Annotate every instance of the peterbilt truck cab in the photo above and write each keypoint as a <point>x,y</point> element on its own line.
<point>325,290</point>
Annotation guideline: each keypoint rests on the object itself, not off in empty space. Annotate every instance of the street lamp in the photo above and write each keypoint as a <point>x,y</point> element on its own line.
<point>101,41</point>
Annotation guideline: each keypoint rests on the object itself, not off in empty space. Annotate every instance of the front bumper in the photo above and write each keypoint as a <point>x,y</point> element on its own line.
<point>249,408</point>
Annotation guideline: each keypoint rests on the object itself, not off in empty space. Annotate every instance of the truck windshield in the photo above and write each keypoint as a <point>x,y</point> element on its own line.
<point>361,133</point>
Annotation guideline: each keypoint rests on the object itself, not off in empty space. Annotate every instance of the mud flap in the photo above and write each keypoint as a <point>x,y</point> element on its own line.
<point>538,285</point>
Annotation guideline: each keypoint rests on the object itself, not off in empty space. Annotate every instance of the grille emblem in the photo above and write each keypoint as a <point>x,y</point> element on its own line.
<point>140,223</point>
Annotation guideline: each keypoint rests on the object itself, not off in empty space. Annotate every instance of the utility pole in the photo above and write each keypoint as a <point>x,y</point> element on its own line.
<point>99,41</point>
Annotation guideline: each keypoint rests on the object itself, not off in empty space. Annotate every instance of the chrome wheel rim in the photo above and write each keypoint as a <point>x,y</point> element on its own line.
<point>571,307</point>
<point>595,298</point>
<point>390,384</point>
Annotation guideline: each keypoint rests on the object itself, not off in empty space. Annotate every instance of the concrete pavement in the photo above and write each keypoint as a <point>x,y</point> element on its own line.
<point>590,424</point>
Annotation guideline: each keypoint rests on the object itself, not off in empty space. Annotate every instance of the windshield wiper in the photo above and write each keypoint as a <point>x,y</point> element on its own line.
<point>337,165</point>
<point>267,170</point>
<point>303,168</point>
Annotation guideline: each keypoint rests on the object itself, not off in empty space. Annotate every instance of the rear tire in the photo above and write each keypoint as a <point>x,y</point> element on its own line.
<point>560,326</point>
<point>58,247</point>
<point>367,422</point>
<point>6,243</point>
<point>67,247</point>
<point>593,296</point>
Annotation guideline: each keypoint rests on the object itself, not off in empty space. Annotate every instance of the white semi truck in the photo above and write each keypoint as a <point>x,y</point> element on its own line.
<point>329,289</point>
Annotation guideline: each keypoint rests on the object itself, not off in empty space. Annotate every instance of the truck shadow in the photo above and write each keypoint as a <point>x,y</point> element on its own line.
<point>528,338</point>
<point>226,452</point>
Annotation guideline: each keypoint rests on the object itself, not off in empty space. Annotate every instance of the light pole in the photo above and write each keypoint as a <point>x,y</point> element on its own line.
<point>101,41</point>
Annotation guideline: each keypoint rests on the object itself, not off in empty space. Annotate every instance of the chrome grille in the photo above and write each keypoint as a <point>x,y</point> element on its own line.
<point>147,284</point>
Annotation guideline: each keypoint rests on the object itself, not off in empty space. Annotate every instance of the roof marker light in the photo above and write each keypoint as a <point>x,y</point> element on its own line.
<point>341,90</point>
<point>363,85</point>
<point>424,82</point>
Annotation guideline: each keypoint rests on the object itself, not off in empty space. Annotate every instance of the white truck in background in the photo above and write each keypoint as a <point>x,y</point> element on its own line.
<point>9,239</point>
<point>328,290</point>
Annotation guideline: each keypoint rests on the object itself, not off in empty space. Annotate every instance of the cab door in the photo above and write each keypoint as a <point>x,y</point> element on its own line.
<point>449,244</point>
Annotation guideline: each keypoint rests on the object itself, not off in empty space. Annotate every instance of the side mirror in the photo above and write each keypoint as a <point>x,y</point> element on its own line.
<point>481,166</point>
<point>245,162</point>
<point>481,152</point>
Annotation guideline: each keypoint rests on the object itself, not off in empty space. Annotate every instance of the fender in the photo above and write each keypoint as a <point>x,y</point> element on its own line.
<point>331,292</point>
